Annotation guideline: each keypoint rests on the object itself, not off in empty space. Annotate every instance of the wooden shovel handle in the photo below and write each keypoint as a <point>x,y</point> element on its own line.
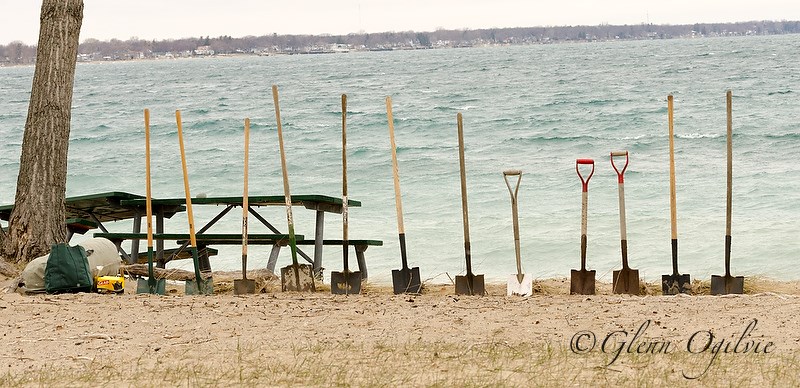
<point>245,195</point>
<point>190,215</point>
<point>395,169</point>
<point>673,212</point>
<point>148,192</point>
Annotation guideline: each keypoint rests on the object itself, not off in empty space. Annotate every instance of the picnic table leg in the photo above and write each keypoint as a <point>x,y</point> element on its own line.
<point>362,263</point>
<point>318,242</point>
<point>137,228</point>
<point>276,231</point>
<point>159,242</point>
<point>273,257</point>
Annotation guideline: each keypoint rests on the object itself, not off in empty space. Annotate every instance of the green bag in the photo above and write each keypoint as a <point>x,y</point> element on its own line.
<point>67,270</point>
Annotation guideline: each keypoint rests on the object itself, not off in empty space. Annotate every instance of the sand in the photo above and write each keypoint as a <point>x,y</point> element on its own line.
<point>377,338</point>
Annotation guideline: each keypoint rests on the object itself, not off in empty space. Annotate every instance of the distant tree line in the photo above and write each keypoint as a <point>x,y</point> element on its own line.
<point>133,48</point>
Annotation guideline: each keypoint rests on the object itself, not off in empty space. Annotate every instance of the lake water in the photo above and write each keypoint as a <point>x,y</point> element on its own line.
<point>534,108</point>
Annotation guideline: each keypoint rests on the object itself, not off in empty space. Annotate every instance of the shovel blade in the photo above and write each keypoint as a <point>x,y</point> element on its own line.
<point>676,284</point>
<point>205,287</point>
<point>470,285</point>
<point>143,286</point>
<point>723,285</point>
<point>626,281</point>
<point>244,286</point>
<point>343,283</point>
<point>582,282</point>
<point>406,281</point>
<point>519,288</point>
<point>297,278</point>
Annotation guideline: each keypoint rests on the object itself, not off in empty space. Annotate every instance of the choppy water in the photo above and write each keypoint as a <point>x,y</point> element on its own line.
<point>536,108</point>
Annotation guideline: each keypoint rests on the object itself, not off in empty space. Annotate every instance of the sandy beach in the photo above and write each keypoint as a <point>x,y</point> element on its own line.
<point>380,339</point>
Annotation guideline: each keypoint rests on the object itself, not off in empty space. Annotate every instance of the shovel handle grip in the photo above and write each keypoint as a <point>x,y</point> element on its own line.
<point>584,181</point>
<point>620,173</point>
<point>512,172</point>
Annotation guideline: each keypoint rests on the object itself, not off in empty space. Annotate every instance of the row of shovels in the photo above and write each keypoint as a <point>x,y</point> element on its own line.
<point>626,280</point>
<point>296,277</point>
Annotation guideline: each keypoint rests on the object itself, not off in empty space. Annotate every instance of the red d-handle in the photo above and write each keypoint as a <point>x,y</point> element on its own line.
<point>620,174</point>
<point>584,182</point>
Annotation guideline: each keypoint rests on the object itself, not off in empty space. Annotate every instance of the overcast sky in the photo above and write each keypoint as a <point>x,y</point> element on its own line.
<point>173,19</point>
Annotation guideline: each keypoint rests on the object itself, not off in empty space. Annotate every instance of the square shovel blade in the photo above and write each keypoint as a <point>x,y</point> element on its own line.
<point>723,285</point>
<point>520,288</point>
<point>343,283</point>
<point>406,281</point>
<point>626,281</point>
<point>297,278</point>
<point>470,285</point>
<point>676,284</point>
<point>244,286</point>
<point>582,282</point>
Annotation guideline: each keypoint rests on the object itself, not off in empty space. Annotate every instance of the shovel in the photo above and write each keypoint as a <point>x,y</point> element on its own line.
<point>626,280</point>
<point>200,285</point>
<point>518,284</point>
<point>245,285</point>
<point>676,283</point>
<point>405,279</point>
<point>294,277</point>
<point>583,282</point>
<point>345,282</point>
<point>721,285</point>
<point>468,284</point>
<point>153,286</point>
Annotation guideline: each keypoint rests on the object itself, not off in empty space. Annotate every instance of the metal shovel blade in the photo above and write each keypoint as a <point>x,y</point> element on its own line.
<point>297,278</point>
<point>582,282</point>
<point>143,286</point>
<point>626,281</point>
<point>470,285</point>
<point>406,281</point>
<point>244,286</point>
<point>205,287</point>
<point>346,282</point>
<point>676,284</point>
<point>517,287</point>
<point>723,285</point>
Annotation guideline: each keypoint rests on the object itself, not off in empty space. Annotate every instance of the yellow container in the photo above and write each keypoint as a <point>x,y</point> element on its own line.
<point>110,284</point>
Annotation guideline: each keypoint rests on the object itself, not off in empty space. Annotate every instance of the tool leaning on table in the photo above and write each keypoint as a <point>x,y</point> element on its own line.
<point>318,203</point>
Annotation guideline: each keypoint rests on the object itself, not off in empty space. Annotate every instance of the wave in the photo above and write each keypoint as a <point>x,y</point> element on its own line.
<point>779,92</point>
<point>699,136</point>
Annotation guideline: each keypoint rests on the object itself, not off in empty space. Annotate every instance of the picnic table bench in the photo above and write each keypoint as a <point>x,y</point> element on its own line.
<point>204,240</point>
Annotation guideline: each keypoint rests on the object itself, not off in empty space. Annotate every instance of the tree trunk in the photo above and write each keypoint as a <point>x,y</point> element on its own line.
<point>37,220</point>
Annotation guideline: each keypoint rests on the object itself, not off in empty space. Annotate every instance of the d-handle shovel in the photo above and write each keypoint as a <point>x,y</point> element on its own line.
<point>626,280</point>
<point>405,279</point>
<point>245,285</point>
<point>345,282</point>
<point>294,277</point>
<point>583,282</point>
<point>519,284</point>
<point>676,283</point>
<point>721,285</point>
<point>469,284</point>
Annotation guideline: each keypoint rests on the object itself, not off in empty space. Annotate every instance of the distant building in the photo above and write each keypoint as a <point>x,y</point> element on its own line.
<point>203,50</point>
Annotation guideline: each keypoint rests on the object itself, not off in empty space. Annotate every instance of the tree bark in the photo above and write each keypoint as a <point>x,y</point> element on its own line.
<point>37,220</point>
